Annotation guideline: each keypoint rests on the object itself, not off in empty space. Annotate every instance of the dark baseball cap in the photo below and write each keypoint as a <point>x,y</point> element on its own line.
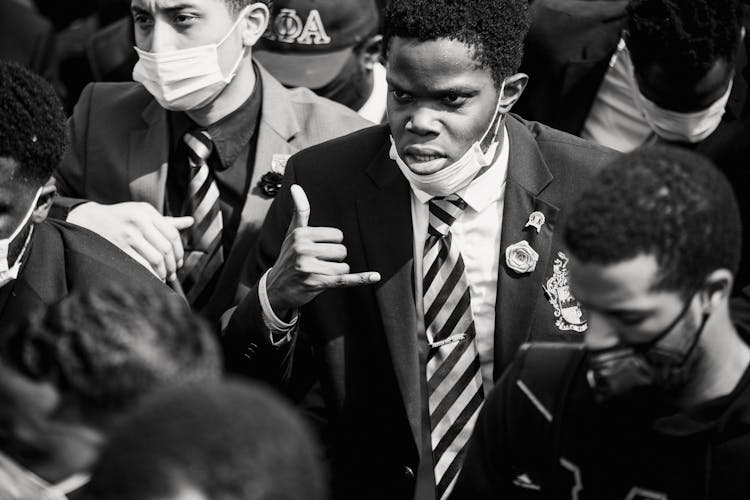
<point>308,42</point>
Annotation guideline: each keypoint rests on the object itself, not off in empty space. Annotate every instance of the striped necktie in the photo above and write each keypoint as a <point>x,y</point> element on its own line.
<point>203,249</point>
<point>454,381</point>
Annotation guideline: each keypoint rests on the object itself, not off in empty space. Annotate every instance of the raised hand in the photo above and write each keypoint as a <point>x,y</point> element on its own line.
<point>311,260</point>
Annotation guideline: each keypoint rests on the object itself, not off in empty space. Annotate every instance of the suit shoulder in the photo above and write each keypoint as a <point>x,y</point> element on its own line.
<point>322,115</point>
<point>360,147</point>
<point>104,97</point>
<point>564,148</point>
<point>89,257</point>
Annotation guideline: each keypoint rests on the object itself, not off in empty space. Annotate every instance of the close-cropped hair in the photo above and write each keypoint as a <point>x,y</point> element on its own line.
<point>662,201</point>
<point>104,348</point>
<point>685,37</point>
<point>224,440</point>
<point>493,29</point>
<point>237,5</point>
<point>32,123</point>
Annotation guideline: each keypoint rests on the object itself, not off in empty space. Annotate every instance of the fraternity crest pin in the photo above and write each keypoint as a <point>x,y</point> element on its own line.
<point>567,309</point>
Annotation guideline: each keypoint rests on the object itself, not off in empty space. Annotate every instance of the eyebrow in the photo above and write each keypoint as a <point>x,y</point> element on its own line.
<point>457,89</point>
<point>136,9</point>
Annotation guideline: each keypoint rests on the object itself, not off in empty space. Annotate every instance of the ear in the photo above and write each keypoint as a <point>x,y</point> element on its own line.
<point>43,205</point>
<point>512,91</point>
<point>369,52</point>
<point>256,21</point>
<point>716,289</point>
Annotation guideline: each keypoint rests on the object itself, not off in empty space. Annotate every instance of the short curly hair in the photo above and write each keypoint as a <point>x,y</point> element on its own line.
<point>494,29</point>
<point>662,201</point>
<point>685,37</point>
<point>32,123</point>
<point>106,347</point>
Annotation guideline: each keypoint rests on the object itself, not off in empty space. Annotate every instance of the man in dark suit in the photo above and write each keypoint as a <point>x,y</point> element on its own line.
<point>202,137</point>
<point>451,213</point>
<point>646,71</point>
<point>42,261</point>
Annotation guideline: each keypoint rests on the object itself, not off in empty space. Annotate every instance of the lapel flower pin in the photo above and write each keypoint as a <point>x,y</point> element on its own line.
<point>270,183</point>
<point>521,258</point>
<point>536,220</point>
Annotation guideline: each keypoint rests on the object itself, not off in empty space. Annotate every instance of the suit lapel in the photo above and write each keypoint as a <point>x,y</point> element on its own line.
<point>148,157</point>
<point>518,293</point>
<point>387,238</point>
<point>277,127</point>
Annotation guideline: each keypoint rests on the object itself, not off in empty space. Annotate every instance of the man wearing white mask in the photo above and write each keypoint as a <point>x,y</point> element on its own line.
<point>628,73</point>
<point>449,214</point>
<point>180,167</point>
<point>41,261</point>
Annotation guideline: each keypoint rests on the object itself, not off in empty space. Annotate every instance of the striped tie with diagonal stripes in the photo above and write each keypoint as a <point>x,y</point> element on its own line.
<point>204,255</point>
<point>454,381</point>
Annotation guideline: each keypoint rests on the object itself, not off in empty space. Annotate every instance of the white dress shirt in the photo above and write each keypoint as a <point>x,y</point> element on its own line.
<point>615,120</point>
<point>477,234</point>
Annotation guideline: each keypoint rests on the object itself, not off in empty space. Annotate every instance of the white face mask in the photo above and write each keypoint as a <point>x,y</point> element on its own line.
<point>9,272</point>
<point>682,127</point>
<point>459,174</point>
<point>185,79</point>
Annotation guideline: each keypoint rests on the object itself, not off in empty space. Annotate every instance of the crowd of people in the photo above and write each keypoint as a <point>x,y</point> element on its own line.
<point>359,249</point>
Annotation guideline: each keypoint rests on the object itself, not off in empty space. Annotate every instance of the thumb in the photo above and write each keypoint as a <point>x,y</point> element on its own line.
<point>301,207</point>
<point>180,223</point>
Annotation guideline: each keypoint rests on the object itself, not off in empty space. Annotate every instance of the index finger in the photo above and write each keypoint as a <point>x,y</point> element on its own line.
<point>350,280</point>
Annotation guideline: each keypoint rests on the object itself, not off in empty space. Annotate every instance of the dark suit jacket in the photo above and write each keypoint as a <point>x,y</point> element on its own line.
<point>120,152</point>
<point>357,348</point>
<point>63,257</point>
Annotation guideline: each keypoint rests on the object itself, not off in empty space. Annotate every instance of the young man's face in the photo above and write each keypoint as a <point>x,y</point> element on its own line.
<point>439,101</point>
<point>623,308</point>
<point>638,338</point>
<point>168,25</point>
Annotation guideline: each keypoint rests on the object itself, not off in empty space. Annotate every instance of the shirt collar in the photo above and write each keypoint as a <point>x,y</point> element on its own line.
<point>483,190</point>
<point>230,134</point>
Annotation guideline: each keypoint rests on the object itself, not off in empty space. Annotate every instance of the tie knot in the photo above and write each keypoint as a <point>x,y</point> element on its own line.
<point>199,146</point>
<point>443,213</point>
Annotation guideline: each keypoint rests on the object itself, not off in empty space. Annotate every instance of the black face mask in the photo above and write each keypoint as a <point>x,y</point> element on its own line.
<point>643,367</point>
<point>351,87</point>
